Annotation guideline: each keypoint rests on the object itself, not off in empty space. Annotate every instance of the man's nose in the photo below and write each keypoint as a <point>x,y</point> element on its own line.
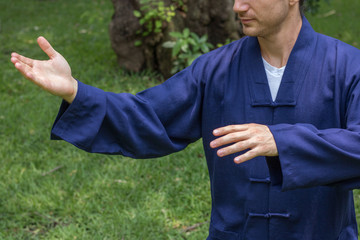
<point>241,6</point>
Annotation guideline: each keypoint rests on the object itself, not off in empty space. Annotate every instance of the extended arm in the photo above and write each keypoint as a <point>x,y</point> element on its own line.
<point>155,122</point>
<point>53,75</point>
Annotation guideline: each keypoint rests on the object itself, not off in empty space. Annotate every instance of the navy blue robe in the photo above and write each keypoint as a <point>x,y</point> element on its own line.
<point>305,193</point>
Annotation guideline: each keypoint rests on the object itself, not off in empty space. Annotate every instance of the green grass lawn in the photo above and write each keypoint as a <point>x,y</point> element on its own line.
<point>50,189</point>
<point>90,196</point>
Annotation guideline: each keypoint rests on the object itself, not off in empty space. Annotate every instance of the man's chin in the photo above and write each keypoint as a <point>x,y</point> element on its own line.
<point>249,31</point>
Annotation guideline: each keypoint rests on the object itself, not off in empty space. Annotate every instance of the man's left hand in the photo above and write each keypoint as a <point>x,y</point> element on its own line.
<point>255,137</point>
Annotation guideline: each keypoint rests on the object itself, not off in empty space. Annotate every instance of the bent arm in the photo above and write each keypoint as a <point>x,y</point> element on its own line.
<point>324,151</point>
<point>312,157</point>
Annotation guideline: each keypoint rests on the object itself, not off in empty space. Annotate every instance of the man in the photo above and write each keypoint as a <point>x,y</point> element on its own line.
<point>297,142</point>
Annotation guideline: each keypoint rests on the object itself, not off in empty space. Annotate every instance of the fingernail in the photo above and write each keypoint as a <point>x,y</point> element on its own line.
<point>216,132</point>
<point>237,160</point>
<point>220,153</point>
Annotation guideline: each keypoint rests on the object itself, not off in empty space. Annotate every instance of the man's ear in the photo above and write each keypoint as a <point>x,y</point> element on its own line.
<point>293,2</point>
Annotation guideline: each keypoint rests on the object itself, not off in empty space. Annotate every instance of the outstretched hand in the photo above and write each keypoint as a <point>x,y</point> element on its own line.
<point>255,138</point>
<point>53,75</point>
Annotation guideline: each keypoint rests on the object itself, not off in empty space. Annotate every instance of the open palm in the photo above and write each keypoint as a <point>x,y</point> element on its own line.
<point>53,75</point>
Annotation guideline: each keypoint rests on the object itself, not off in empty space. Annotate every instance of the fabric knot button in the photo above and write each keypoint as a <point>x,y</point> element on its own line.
<point>260,180</point>
<point>270,215</point>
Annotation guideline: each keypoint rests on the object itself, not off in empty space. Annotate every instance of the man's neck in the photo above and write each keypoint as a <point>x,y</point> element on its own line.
<point>276,48</point>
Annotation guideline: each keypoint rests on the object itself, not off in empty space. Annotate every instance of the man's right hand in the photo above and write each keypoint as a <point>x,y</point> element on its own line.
<point>53,75</point>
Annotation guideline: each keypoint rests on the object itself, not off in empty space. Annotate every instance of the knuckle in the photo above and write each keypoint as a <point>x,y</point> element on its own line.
<point>232,128</point>
<point>239,145</point>
<point>261,149</point>
<point>232,137</point>
<point>232,149</point>
<point>252,155</point>
<point>258,139</point>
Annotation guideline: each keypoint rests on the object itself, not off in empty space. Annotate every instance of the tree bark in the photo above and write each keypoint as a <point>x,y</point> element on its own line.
<point>212,17</point>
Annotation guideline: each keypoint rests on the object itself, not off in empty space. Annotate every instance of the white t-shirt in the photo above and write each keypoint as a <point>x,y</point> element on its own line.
<point>274,76</point>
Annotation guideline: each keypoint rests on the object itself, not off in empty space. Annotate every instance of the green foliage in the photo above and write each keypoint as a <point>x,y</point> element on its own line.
<point>228,41</point>
<point>52,190</point>
<point>153,15</point>
<point>95,196</point>
<point>337,20</point>
<point>312,6</point>
<point>186,47</point>
<point>180,4</point>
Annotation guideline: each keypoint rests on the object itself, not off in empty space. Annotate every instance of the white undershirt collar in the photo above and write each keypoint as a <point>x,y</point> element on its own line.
<point>274,76</point>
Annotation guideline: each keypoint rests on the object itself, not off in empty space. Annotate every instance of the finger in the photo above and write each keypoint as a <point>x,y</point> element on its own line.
<point>19,58</point>
<point>246,156</point>
<point>234,148</point>
<point>14,54</point>
<point>46,47</point>
<point>14,60</point>
<point>230,128</point>
<point>229,138</point>
<point>24,69</point>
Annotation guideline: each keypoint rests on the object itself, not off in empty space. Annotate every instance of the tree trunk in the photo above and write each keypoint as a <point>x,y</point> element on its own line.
<point>212,17</point>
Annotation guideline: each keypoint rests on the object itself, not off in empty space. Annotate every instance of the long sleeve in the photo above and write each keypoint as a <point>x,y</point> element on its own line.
<point>156,122</point>
<point>313,155</point>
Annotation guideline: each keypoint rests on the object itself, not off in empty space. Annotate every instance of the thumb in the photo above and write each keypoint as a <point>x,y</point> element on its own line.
<point>46,47</point>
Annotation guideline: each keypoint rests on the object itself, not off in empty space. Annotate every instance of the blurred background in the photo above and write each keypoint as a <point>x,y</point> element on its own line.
<point>50,189</point>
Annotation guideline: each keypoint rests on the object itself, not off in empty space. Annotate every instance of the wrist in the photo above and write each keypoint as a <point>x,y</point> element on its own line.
<point>70,98</point>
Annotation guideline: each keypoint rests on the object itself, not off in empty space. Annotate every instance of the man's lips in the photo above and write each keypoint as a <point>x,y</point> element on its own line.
<point>246,20</point>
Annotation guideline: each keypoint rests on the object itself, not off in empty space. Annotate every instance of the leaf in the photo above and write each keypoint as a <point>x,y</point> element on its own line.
<point>186,33</point>
<point>195,49</point>
<point>203,39</point>
<point>192,42</point>
<point>169,44</point>
<point>158,24</point>
<point>195,36</point>
<point>149,26</point>
<point>204,48</point>
<point>144,8</point>
<point>185,47</point>
<point>175,34</point>
<point>191,60</point>
<point>184,56</point>
<point>137,13</point>
<point>138,43</point>
<point>176,49</point>
<point>210,45</point>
